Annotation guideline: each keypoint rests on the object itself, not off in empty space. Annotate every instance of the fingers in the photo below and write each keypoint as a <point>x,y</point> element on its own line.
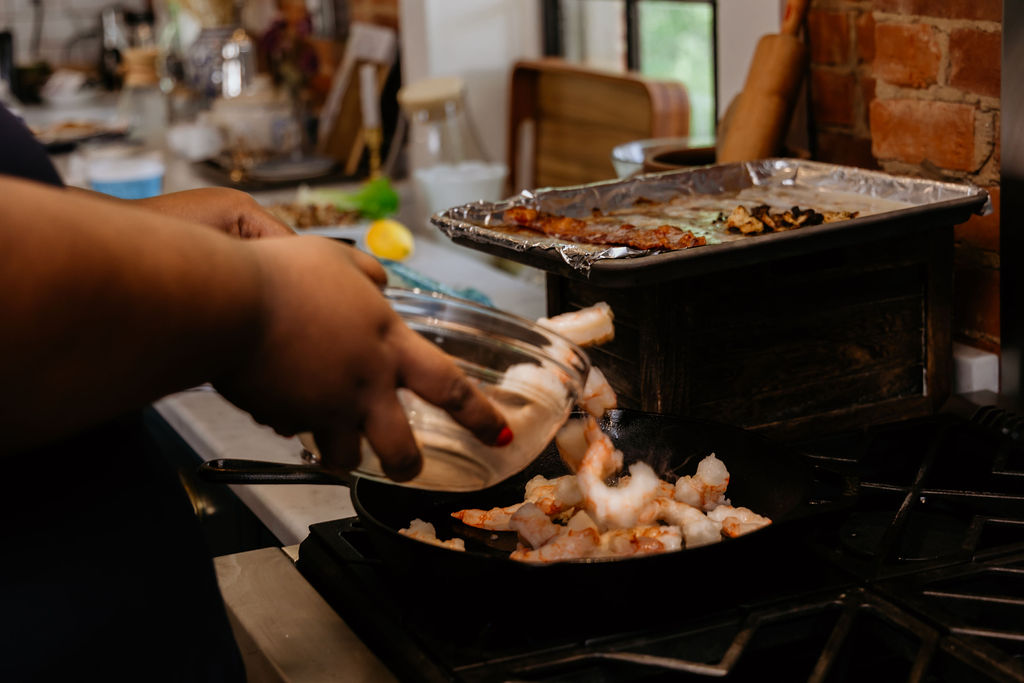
<point>369,265</point>
<point>432,374</point>
<point>338,446</point>
<point>387,429</point>
<point>230,211</point>
<point>258,223</point>
<point>255,222</point>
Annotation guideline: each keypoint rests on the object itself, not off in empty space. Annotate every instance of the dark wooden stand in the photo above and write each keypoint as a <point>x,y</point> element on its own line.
<point>795,347</point>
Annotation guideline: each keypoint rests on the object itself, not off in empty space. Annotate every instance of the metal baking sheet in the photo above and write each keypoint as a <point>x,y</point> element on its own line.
<point>886,204</point>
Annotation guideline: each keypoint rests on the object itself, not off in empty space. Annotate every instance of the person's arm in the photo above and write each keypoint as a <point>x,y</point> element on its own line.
<point>231,211</point>
<point>107,307</point>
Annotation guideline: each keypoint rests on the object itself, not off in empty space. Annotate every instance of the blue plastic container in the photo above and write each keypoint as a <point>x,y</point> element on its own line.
<point>127,178</point>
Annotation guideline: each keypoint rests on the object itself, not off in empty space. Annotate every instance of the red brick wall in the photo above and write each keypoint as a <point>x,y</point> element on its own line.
<point>912,87</point>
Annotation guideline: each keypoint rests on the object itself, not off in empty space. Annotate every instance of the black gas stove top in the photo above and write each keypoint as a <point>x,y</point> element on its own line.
<point>922,579</point>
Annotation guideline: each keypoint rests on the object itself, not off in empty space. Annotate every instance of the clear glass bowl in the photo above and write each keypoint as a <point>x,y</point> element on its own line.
<point>628,158</point>
<point>533,375</point>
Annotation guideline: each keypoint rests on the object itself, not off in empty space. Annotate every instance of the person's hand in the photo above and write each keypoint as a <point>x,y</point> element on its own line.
<point>228,210</point>
<point>331,353</point>
<point>237,213</point>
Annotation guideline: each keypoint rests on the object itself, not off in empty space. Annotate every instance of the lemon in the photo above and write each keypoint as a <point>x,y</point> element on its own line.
<point>389,239</point>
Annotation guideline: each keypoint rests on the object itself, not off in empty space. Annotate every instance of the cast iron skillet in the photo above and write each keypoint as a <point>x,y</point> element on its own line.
<point>767,478</point>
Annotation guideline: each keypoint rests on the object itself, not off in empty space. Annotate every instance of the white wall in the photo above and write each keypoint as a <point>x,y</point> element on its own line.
<point>478,40</point>
<point>481,39</point>
<point>741,23</point>
<point>593,34</point>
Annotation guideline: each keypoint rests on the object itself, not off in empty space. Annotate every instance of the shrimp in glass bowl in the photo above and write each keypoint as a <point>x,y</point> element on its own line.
<point>532,375</point>
<point>598,511</point>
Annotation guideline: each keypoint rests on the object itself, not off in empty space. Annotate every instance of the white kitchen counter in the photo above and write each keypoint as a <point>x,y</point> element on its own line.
<point>286,632</point>
<point>214,428</point>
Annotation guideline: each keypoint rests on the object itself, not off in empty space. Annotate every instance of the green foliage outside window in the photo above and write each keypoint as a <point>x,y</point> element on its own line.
<point>677,42</point>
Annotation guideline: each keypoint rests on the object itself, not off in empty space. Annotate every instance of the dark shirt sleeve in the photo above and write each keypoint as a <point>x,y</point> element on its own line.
<point>114,574</point>
<point>21,154</point>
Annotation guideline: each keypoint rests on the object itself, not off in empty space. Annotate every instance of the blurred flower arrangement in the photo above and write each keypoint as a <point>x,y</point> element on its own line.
<point>286,51</point>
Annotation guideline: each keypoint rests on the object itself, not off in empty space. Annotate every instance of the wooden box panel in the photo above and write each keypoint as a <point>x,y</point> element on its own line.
<point>794,347</point>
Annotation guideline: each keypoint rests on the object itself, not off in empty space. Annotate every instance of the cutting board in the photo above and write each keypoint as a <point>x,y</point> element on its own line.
<point>756,122</point>
<point>565,120</point>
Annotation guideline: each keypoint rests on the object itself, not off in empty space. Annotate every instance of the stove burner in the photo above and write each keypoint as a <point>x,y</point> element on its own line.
<point>996,418</point>
<point>924,535</point>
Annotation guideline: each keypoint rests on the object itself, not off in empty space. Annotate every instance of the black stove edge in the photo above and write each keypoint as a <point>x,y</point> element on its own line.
<point>1002,414</point>
<point>321,567</point>
<point>966,405</point>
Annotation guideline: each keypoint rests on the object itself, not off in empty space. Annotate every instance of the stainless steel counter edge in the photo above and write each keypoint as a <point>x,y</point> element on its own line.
<point>214,428</point>
<point>285,630</point>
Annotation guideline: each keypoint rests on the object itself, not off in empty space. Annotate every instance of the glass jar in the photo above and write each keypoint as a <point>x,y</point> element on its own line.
<point>446,159</point>
<point>142,106</point>
<point>239,64</point>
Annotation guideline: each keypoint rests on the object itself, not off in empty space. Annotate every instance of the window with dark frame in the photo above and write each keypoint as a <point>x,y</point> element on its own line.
<point>663,39</point>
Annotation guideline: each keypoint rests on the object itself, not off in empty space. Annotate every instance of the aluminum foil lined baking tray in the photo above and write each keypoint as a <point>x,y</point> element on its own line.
<point>887,205</point>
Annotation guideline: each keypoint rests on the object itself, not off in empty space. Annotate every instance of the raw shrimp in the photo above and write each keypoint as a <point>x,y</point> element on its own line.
<point>580,521</point>
<point>640,541</point>
<point>618,507</point>
<point>598,396</point>
<point>571,441</point>
<point>612,507</point>
<point>738,521</point>
<point>424,531</point>
<point>537,486</point>
<point>697,528</point>
<point>544,384</point>
<point>705,489</point>
<point>495,519</point>
<point>601,458</point>
<point>666,489</point>
<point>533,525</point>
<point>581,515</point>
<point>554,496</point>
<point>586,327</point>
<point>570,544</point>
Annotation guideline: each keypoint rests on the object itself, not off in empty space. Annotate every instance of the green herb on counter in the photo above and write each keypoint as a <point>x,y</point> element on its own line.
<point>375,199</point>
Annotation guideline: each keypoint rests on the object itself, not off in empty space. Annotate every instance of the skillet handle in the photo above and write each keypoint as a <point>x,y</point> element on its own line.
<point>228,471</point>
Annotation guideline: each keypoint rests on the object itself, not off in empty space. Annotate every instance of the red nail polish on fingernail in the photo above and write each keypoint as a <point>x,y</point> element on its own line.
<point>504,438</point>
